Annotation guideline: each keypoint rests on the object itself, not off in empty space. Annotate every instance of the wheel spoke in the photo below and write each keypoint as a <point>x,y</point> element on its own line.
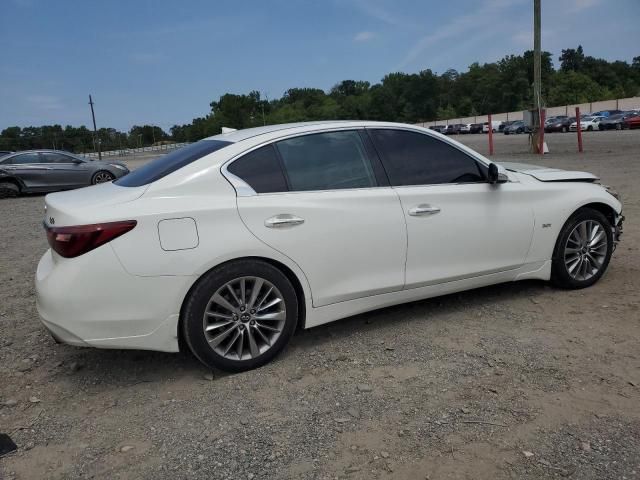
<point>216,325</point>
<point>253,347</point>
<point>266,340</point>
<point>277,316</point>
<point>240,345</point>
<point>220,300</point>
<point>215,341</point>
<point>597,239</point>
<point>273,302</point>
<point>267,327</point>
<point>233,294</point>
<point>232,341</point>
<point>264,298</point>
<point>243,291</point>
<point>255,291</point>
<point>218,315</point>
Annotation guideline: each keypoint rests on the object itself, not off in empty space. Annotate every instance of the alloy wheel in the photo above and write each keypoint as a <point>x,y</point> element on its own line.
<point>244,318</point>
<point>585,250</point>
<point>102,177</point>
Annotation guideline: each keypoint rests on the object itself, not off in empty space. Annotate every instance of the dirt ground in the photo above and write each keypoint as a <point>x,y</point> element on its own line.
<point>515,381</point>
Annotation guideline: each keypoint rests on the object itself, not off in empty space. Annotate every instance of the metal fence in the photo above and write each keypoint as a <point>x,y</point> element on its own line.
<point>569,110</point>
<point>129,152</point>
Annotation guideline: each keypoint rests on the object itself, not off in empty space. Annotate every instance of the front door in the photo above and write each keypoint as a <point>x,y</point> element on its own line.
<point>459,226</point>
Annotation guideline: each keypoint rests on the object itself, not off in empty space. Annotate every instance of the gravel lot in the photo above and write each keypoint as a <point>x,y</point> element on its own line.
<point>512,381</point>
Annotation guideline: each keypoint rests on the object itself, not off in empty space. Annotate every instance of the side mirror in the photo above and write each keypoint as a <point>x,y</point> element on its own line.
<point>495,175</point>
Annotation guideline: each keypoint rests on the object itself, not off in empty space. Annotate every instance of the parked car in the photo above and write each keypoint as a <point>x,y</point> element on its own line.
<point>453,129</point>
<point>631,122</point>
<point>227,245</point>
<point>465,128</point>
<point>35,171</point>
<point>504,125</point>
<point>586,124</point>
<point>516,127</point>
<point>606,113</point>
<point>616,121</point>
<point>495,126</point>
<point>476,128</point>
<point>559,125</point>
<point>554,119</point>
<point>438,128</point>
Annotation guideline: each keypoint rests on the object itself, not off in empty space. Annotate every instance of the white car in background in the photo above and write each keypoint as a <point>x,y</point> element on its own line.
<point>233,242</point>
<point>495,126</point>
<point>586,124</point>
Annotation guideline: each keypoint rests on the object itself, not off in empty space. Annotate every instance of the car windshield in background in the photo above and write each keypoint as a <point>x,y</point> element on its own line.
<point>169,163</point>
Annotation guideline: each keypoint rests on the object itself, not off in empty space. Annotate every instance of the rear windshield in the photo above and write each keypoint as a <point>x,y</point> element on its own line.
<point>169,163</point>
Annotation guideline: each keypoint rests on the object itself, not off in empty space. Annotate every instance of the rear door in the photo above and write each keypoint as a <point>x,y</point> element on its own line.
<point>322,200</point>
<point>459,226</point>
<point>28,167</point>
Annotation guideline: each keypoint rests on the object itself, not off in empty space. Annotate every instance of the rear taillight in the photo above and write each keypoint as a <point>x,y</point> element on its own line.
<point>74,241</point>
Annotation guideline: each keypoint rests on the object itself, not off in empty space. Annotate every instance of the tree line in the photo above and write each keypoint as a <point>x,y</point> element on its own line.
<point>502,86</point>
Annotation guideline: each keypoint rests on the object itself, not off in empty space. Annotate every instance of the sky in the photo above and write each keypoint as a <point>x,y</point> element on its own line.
<point>162,62</point>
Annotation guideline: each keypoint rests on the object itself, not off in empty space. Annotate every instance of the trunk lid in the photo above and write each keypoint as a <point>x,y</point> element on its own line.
<point>548,174</point>
<point>88,205</point>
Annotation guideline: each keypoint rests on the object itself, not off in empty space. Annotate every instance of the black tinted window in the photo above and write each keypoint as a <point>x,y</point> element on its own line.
<point>326,161</point>
<point>169,163</point>
<point>25,158</point>
<point>412,158</point>
<point>261,170</point>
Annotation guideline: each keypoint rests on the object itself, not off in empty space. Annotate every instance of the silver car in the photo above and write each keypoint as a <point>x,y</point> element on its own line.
<point>36,171</point>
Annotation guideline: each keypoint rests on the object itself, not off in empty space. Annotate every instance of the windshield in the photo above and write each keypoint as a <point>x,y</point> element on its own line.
<point>169,163</point>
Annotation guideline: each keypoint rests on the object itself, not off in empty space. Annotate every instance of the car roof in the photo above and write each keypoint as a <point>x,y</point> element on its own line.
<point>240,135</point>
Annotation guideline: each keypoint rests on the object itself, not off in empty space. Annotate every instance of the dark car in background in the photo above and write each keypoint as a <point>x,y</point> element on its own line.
<point>453,129</point>
<point>616,122</point>
<point>475,128</point>
<point>36,171</point>
<point>516,127</point>
<point>438,128</point>
<point>559,124</point>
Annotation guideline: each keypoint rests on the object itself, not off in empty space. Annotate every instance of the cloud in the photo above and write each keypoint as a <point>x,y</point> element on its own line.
<point>45,102</point>
<point>364,36</point>
<point>471,26</point>
<point>579,5</point>
<point>374,10</point>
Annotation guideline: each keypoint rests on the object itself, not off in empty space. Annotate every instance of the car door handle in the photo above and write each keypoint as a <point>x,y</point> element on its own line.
<point>283,220</point>
<point>423,209</point>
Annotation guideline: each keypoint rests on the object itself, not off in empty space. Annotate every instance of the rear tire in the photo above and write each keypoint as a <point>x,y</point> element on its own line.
<point>618,126</point>
<point>583,250</point>
<point>9,190</point>
<point>240,316</point>
<point>564,129</point>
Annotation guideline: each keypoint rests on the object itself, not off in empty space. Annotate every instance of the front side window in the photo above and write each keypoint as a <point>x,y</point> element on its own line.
<point>56,158</point>
<point>25,158</point>
<point>170,162</point>
<point>412,158</point>
<point>260,168</point>
<point>326,161</point>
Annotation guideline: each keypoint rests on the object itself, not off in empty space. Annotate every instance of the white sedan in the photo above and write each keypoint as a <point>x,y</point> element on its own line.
<point>231,243</point>
<point>586,124</point>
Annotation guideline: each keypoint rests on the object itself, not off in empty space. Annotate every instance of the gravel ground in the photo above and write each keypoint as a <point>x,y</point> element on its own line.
<point>511,381</point>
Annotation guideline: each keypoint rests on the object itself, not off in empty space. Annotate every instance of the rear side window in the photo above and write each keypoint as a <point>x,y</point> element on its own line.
<point>25,158</point>
<point>412,158</point>
<point>261,170</point>
<point>56,158</point>
<point>326,161</point>
<point>169,163</point>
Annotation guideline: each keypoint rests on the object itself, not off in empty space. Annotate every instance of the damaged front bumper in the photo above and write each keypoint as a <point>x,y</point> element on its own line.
<point>617,230</point>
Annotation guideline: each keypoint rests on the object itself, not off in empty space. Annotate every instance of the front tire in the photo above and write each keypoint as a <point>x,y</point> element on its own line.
<point>102,176</point>
<point>240,315</point>
<point>583,250</point>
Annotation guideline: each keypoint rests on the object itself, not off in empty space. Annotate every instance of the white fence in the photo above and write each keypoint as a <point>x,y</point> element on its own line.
<point>569,110</point>
<point>125,152</point>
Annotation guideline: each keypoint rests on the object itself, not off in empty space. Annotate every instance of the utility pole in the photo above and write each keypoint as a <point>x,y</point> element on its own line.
<point>537,77</point>
<point>95,130</point>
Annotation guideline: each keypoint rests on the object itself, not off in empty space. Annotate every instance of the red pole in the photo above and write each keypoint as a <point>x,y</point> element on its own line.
<point>541,131</point>
<point>490,135</point>
<point>579,129</point>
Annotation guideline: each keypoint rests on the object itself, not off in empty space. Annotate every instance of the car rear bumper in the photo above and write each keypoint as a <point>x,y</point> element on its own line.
<point>92,301</point>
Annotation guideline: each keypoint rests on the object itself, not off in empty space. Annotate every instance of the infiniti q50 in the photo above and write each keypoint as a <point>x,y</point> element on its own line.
<point>233,242</point>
